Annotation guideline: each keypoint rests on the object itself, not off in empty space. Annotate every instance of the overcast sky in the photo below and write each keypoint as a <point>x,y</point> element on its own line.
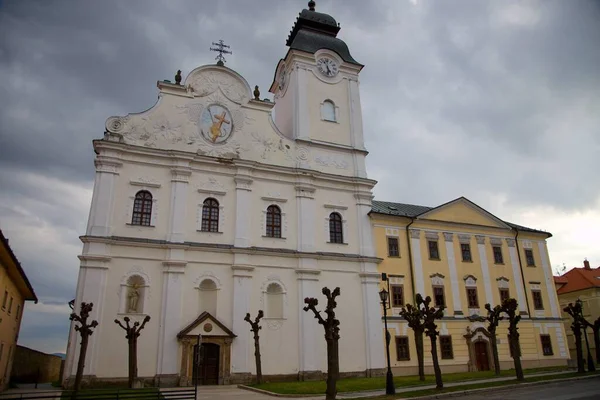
<point>497,101</point>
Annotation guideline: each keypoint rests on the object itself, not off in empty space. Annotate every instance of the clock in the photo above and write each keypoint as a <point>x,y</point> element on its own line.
<point>327,67</point>
<point>216,123</point>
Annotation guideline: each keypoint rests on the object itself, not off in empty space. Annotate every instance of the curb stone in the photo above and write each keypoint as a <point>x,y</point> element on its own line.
<point>497,388</point>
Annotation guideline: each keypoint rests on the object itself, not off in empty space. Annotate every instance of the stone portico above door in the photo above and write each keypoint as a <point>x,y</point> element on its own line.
<point>214,366</point>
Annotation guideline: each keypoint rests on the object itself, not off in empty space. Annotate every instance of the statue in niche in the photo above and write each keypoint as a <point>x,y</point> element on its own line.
<point>133,296</point>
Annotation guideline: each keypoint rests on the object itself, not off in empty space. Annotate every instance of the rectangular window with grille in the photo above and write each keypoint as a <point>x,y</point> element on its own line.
<point>538,304</point>
<point>393,249</point>
<point>504,295</point>
<point>434,253</point>
<point>402,349</point>
<point>498,255</point>
<point>546,345</point>
<point>465,249</point>
<point>397,295</point>
<point>438,296</point>
<point>472,298</point>
<point>446,347</point>
<point>529,258</point>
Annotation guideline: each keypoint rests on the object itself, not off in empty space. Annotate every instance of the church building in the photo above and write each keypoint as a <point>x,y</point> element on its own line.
<point>214,203</point>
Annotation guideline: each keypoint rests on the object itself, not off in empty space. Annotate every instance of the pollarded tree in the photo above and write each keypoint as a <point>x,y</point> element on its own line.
<point>132,333</point>
<point>510,307</point>
<point>430,314</point>
<point>85,330</point>
<point>596,329</point>
<point>493,318</point>
<point>412,315</point>
<point>574,310</point>
<point>255,328</point>
<point>332,336</point>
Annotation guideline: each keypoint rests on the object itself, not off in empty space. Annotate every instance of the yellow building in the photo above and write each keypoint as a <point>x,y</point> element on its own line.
<point>464,257</point>
<point>580,284</point>
<point>15,290</point>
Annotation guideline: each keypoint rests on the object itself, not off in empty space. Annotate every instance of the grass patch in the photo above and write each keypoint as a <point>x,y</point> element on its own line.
<point>365,384</point>
<point>102,394</point>
<point>426,392</point>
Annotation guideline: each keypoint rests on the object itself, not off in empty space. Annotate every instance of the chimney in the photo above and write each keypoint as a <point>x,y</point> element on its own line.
<point>586,264</point>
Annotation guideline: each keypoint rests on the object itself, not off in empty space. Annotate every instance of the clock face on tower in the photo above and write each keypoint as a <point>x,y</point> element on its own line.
<point>328,67</point>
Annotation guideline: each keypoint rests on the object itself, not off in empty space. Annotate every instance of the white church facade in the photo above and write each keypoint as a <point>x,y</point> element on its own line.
<point>214,203</point>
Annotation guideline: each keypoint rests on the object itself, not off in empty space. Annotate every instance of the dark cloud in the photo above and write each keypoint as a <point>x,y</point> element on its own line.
<point>490,100</point>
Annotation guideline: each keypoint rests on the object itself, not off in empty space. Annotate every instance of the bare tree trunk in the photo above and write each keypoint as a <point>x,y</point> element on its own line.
<point>420,355</point>
<point>514,343</point>
<point>495,353</point>
<point>333,369</point>
<point>579,350</point>
<point>436,364</point>
<point>257,358</point>
<point>597,343</point>
<point>81,362</point>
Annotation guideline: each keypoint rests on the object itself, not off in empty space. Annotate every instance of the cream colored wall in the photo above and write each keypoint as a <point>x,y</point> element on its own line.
<point>335,132</point>
<point>11,322</point>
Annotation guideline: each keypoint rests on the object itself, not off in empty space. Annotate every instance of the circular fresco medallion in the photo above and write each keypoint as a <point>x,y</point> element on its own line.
<point>216,124</point>
<point>208,327</point>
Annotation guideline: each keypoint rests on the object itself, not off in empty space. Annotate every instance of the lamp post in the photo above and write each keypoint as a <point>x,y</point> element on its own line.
<point>389,378</point>
<point>590,359</point>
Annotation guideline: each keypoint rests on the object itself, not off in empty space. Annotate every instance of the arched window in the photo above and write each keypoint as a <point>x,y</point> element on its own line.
<point>210,216</point>
<point>336,234</point>
<point>134,303</point>
<point>273,222</point>
<point>328,111</point>
<point>142,208</point>
<point>274,301</point>
<point>208,297</point>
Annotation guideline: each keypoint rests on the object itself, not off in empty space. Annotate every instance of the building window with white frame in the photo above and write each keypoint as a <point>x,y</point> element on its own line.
<point>336,232</point>
<point>393,247</point>
<point>328,111</point>
<point>273,224</point>
<point>142,209</point>
<point>210,215</point>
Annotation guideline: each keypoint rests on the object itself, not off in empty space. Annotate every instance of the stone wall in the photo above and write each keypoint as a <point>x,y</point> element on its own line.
<point>31,365</point>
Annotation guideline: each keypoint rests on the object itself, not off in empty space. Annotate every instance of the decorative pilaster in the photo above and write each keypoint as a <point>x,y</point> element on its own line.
<point>485,269</point>
<point>309,343</point>
<point>514,261</point>
<point>242,288</point>
<point>356,127</point>
<point>372,320</point>
<point>549,280</point>
<point>91,288</point>
<point>365,231</point>
<point>101,209</point>
<point>456,303</point>
<point>180,176</point>
<point>415,244</point>
<point>243,189</point>
<point>300,116</point>
<point>305,200</point>
<point>170,317</point>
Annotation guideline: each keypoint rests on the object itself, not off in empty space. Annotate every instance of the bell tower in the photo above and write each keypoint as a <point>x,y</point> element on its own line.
<point>316,85</point>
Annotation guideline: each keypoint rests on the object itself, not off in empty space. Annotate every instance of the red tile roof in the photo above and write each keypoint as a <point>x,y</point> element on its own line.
<point>578,279</point>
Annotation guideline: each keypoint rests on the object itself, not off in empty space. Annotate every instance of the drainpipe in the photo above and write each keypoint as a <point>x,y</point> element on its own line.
<point>522,273</point>
<point>410,262</point>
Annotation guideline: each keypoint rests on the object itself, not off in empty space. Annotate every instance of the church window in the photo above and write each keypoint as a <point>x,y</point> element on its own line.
<point>465,249</point>
<point>335,228</point>
<point>546,345</point>
<point>529,258</point>
<point>328,111</point>
<point>210,216</point>
<point>402,348</point>
<point>472,297</point>
<point>393,249</point>
<point>504,295</point>
<point>134,303</point>
<point>142,208</point>
<point>274,301</point>
<point>538,304</point>
<point>208,296</point>
<point>446,347</point>
<point>397,295</point>
<point>273,222</point>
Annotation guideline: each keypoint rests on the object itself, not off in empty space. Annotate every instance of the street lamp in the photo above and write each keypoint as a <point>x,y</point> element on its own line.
<point>590,359</point>
<point>389,378</point>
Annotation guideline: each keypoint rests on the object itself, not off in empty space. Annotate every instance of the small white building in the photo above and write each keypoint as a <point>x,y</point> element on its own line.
<point>213,203</point>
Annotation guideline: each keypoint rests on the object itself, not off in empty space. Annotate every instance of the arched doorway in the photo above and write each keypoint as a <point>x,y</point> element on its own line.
<point>206,370</point>
<point>481,356</point>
